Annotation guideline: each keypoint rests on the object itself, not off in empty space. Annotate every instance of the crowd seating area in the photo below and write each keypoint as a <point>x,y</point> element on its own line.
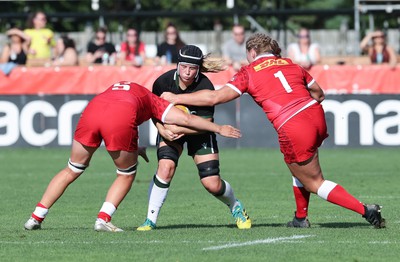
<point>326,60</point>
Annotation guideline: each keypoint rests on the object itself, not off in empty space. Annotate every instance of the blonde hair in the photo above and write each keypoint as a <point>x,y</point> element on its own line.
<point>212,64</point>
<point>262,43</point>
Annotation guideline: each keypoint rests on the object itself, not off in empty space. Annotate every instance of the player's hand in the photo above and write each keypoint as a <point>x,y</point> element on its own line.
<point>142,153</point>
<point>170,97</point>
<point>175,130</point>
<point>169,135</point>
<point>172,128</point>
<point>177,136</point>
<point>229,131</point>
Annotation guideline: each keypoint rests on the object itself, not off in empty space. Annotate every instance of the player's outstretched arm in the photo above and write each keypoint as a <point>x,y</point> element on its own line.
<point>183,130</point>
<point>176,116</point>
<point>202,97</point>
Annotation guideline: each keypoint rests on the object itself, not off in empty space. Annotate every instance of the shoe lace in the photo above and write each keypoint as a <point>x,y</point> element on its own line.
<point>109,225</point>
<point>239,214</point>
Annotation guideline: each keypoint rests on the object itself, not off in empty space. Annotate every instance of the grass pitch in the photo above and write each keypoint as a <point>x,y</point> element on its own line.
<point>193,225</point>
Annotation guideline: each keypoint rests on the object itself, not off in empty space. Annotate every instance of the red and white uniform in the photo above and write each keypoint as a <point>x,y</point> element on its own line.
<point>115,114</point>
<point>280,87</point>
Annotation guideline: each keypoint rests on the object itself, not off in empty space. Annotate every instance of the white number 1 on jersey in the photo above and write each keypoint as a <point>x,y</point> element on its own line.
<point>283,80</point>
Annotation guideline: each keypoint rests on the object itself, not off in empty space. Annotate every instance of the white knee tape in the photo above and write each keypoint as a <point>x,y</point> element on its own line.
<point>76,167</point>
<point>127,171</point>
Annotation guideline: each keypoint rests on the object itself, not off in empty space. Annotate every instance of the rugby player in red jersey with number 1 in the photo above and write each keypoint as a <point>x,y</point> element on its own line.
<point>291,99</point>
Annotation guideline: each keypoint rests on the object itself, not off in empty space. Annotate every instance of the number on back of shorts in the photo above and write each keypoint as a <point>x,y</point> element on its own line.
<point>120,86</point>
<point>283,81</point>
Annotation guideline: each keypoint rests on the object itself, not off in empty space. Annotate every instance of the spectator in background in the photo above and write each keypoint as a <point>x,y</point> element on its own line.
<point>99,51</point>
<point>42,38</point>
<point>167,51</point>
<point>132,50</point>
<point>374,44</point>
<point>66,54</point>
<point>304,52</point>
<point>16,50</point>
<point>234,50</point>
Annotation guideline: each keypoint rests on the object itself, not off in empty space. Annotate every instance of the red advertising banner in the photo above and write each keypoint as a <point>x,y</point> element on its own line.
<point>337,79</point>
<point>358,79</point>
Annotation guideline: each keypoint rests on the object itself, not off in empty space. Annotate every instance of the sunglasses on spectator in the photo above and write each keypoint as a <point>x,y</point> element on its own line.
<point>303,36</point>
<point>379,36</point>
<point>100,38</point>
<point>131,34</point>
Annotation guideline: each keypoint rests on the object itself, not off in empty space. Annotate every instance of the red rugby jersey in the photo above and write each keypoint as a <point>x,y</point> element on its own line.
<point>277,85</point>
<point>146,104</point>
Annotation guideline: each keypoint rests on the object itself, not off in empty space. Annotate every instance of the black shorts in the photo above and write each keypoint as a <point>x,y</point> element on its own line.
<point>203,144</point>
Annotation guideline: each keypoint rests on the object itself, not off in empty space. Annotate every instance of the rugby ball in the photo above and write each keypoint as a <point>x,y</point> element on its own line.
<point>183,108</point>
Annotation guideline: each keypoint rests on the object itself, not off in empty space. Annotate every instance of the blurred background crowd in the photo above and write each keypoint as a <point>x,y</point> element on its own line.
<point>136,33</point>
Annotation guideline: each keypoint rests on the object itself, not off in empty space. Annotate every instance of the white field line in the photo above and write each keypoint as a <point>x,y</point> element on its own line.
<point>67,242</point>
<point>256,242</point>
<point>273,240</point>
<point>292,239</point>
<point>78,242</point>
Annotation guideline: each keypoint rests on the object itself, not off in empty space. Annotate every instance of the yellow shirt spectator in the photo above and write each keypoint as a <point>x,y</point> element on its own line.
<point>42,40</point>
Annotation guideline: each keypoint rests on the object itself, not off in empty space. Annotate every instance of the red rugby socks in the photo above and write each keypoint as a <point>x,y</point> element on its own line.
<point>336,194</point>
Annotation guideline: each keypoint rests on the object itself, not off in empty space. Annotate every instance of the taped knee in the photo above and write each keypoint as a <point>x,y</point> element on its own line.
<point>127,171</point>
<point>208,168</point>
<point>168,152</point>
<point>160,183</point>
<point>76,167</point>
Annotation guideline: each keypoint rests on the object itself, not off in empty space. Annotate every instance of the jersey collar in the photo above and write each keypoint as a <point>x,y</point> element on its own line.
<point>263,55</point>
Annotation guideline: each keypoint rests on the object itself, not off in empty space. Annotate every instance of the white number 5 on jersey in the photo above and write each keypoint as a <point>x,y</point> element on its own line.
<point>121,86</point>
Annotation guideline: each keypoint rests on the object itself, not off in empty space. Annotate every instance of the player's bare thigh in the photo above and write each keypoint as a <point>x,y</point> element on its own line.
<point>124,159</point>
<point>308,172</point>
<point>203,158</point>
<point>81,154</point>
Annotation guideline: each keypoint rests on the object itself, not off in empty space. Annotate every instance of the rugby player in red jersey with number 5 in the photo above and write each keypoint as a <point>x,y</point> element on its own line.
<point>291,99</point>
<point>113,117</point>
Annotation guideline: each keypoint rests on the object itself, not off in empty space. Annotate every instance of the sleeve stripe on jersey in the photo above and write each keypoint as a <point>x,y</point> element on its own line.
<point>311,83</point>
<point>234,88</point>
<point>166,112</point>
